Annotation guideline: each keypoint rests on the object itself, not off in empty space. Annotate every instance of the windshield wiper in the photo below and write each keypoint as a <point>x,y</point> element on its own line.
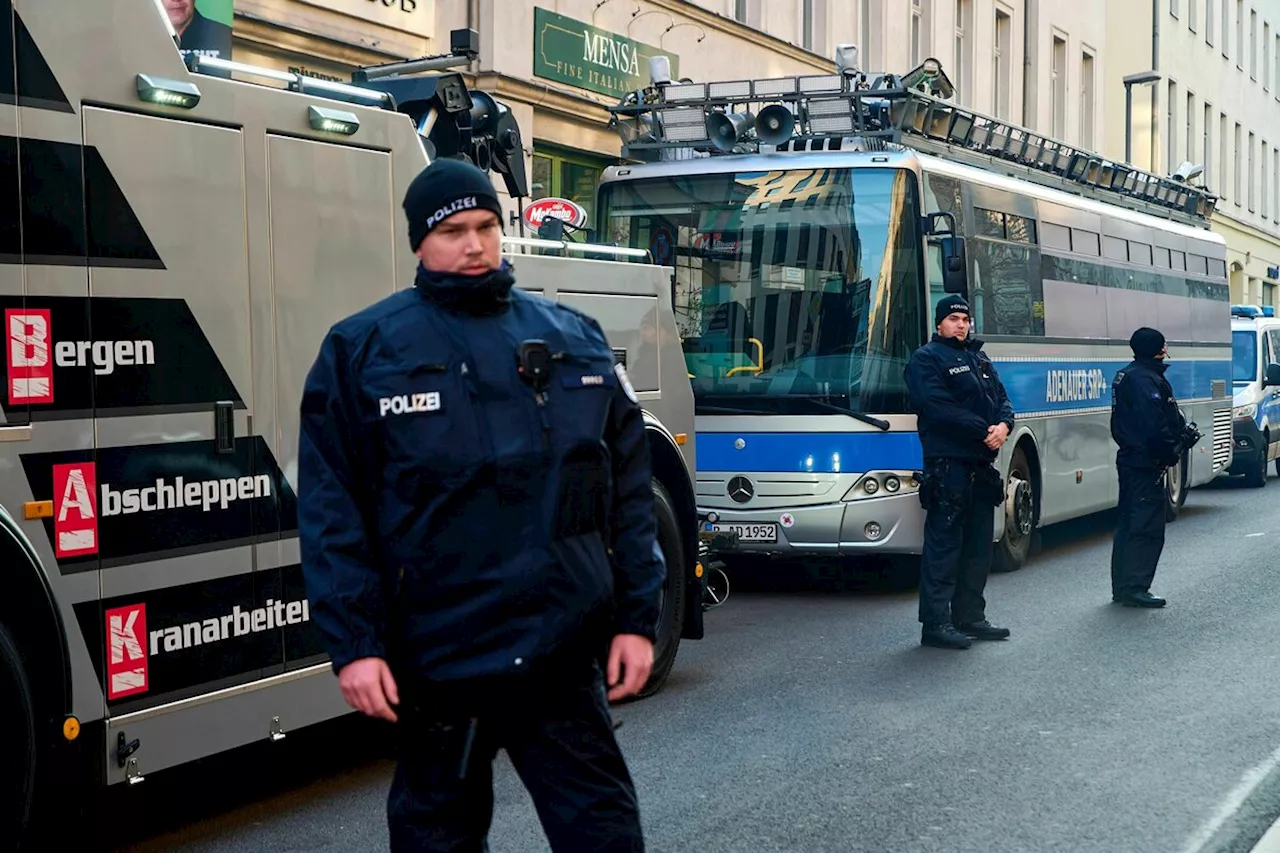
<point>857,416</point>
<point>782,400</point>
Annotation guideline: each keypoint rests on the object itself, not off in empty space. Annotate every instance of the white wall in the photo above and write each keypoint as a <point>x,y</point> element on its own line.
<point>1082,27</point>
<point>1197,57</point>
<point>1231,85</point>
<point>893,46</point>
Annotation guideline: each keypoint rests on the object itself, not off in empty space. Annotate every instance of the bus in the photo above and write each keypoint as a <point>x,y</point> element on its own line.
<point>813,223</point>
<point>182,236</point>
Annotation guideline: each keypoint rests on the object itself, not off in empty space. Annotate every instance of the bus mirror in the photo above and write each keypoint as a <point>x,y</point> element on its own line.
<point>955,265</point>
<point>1272,375</point>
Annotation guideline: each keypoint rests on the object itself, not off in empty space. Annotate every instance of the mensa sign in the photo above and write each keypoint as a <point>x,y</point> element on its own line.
<point>571,212</point>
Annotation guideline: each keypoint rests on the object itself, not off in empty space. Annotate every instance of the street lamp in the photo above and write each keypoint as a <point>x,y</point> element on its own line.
<point>1142,78</point>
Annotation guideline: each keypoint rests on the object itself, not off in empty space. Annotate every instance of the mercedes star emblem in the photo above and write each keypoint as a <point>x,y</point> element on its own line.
<point>741,490</point>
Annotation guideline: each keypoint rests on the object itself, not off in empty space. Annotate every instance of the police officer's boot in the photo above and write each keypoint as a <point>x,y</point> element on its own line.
<point>1140,599</point>
<point>944,636</point>
<point>983,630</point>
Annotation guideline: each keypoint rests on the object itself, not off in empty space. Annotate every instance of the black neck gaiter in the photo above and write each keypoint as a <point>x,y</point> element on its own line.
<point>476,295</point>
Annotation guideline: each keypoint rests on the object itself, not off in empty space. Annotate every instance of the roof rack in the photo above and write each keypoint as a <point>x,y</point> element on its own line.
<point>854,110</point>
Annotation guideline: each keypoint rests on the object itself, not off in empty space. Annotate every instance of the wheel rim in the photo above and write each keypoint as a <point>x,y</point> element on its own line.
<point>1019,512</point>
<point>717,588</point>
<point>1174,475</point>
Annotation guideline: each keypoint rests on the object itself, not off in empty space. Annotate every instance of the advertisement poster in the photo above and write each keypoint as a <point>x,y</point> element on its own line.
<point>203,26</point>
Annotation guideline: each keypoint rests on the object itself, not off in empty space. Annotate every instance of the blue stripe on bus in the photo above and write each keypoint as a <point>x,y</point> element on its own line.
<point>1046,386</point>
<point>1075,385</point>
<point>809,452</point>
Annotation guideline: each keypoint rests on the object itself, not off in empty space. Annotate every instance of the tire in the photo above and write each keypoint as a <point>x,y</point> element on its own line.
<point>671,612</point>
<point>1175,489</point>
<point>1015,543</point>
<point>1257,477</point>
<point>18,759</point>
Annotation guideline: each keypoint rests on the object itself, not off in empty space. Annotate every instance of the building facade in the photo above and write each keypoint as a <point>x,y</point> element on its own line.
<point>558,64</point>
<point>1215,103</point>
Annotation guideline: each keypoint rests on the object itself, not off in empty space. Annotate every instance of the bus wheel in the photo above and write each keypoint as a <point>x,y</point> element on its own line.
<point>18,759</point>
<point>1175,489</point>
<point>671,608</point>
<point>1019,517</point>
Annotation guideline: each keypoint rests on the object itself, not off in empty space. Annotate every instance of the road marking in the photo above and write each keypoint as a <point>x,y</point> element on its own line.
<point>1251,535</point>
<point>1234,800</point>
<point>1269,843</point>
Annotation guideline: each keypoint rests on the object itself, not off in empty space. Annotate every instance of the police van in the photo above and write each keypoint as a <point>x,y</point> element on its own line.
<point>1255,380</point>
<point>179,236</point>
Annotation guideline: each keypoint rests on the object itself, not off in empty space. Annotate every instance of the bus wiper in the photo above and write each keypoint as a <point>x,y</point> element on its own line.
<point>726,410</point>
<point>857,416</point>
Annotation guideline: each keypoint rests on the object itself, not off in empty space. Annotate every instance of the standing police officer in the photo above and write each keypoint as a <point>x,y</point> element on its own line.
<point>1150,432</point>
<point>477,529</point>
<point>963,417</point>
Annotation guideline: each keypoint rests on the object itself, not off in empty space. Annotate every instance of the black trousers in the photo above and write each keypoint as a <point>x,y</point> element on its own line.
<point>559,737</point>
<point>958,534</point>
<point>1139,535</point>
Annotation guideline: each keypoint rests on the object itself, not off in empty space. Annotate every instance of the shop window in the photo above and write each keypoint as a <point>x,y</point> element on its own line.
<point>563,173</point>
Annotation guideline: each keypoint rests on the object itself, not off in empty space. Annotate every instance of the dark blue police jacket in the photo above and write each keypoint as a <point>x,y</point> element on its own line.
<point>452,525</point>
<point>1145,421</point>
<point>956,395</point>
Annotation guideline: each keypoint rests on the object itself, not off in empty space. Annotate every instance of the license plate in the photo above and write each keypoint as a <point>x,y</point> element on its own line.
<point>750,532</point>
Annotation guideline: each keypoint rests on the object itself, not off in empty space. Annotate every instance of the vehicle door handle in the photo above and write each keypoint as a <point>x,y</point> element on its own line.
<point>15,433</point>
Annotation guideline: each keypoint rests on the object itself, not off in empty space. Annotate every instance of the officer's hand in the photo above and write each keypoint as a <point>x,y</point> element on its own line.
<point>368,686</point>
<point>632,654</point>
<point>996,436</point>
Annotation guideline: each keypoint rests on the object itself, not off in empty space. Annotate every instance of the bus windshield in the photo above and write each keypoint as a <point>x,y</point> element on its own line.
<point>1244,357</point>
<point>797,291</point>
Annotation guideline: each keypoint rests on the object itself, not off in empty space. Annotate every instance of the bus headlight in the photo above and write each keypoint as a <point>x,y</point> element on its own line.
<point>872,530</point>
<point>891,482</point>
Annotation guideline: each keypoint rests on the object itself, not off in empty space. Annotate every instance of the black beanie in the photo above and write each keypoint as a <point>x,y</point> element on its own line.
<point>1146,343</point>
<point>442,189</point>
<point>950,305</point>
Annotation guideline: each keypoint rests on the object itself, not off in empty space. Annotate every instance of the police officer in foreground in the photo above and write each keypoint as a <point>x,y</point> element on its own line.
<point>477,533</point>
<point>964,417</point>
<point>1151,434</point>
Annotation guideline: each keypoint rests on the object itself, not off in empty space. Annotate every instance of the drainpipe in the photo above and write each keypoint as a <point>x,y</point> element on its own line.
<point>1155,89</point>
<point>1155,35</point>
<point>1026,62</point>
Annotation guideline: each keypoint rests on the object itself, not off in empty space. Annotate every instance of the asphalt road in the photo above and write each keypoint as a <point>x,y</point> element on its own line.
<point>810,719</point>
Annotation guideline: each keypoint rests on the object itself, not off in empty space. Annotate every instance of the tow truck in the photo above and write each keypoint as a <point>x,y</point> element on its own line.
<point>178,236</point>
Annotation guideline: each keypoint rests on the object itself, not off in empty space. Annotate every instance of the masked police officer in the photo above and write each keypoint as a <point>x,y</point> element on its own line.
<point>963,417</point>
<point>1151,433</point>
<point>477,532</point>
